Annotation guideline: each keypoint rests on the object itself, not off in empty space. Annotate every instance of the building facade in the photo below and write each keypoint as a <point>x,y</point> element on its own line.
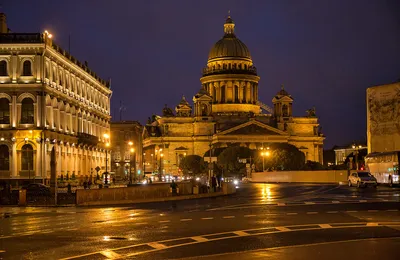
<point>54,111</point>
<point>341,152</point>
<point>383,118</point>
<point>227,111</point>
<point>125,136</point>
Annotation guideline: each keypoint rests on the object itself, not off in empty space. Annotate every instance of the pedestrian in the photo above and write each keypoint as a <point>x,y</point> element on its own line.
<point>85,185</point>
<point>174,187</point>
<point>113,179</point>
<point>89,184</point>
<point>214,183</point>
<point>69,191</point>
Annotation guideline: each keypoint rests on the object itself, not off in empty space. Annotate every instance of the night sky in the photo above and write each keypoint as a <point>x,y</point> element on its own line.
<point>326,53</point>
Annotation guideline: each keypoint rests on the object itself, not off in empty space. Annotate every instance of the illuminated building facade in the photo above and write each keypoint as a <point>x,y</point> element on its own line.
<point>125,136</point>
<point>54,110</point>
<point>226,112</point>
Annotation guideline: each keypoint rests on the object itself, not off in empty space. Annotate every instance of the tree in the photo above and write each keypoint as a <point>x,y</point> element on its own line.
<point>282,156</point>
<point>192,165</point>
<point>228,160</point>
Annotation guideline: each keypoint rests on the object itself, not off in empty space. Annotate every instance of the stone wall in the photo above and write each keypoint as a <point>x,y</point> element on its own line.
<point>301,176</point>
<point>383,118</point>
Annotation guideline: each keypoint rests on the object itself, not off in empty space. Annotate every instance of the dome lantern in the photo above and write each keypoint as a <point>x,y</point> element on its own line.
<point>229,26</point>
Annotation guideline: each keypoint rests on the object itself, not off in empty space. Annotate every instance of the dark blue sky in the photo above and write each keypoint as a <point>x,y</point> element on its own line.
<point>325,52</point>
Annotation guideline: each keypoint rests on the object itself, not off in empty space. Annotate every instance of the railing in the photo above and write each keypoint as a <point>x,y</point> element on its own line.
<point>265,107</point>
<point>248,71</point>
<point>21,38</point>
<point>88,139</point>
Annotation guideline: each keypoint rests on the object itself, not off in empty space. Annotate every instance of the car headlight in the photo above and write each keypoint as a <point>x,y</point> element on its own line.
<point>236,182</point>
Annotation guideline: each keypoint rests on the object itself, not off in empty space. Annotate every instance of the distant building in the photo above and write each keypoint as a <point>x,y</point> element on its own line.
<point>342,152</point>
<point>383,118</point>
<point>126,135</point>
<point>226,112</point>
<point>54,110</point>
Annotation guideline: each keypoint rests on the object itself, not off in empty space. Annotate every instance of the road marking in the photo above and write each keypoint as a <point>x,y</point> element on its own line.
<point>372,210</point>
<point>240,233</point>
<point>325,226</point>
<point>371,224</point>
<point>292,213</point>
<point>141,223</point>
<point>110,254</point>
<point>282,229</point>
<point>335,201</point>
<point>312,212</point>
<point>228,217</point>
<point>351,211</point>
<point>249,216</point>
<point>392,210</point>
<point>186,219</point>
<point>332,212</point>
<point>199,239</point>
<point>362,201</point>
<point>156,245</point>
<point>309,203</point>
<point>281,204</point>
<point>164,221</point>
<point>207,218</point>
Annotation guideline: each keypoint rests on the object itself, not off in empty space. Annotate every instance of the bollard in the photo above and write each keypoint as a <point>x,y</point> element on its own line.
<point>22,198</point>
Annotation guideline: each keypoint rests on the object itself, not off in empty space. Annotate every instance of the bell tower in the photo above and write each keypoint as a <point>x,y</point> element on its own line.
<point>202,103</point>
<point>282,105</point>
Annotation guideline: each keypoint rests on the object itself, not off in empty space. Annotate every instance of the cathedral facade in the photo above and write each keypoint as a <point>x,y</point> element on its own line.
<point>54,111</point>
<point>226,111</point>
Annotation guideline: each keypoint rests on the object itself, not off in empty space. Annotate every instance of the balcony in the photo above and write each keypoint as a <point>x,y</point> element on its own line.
<point>87,139</point>
<point>247,71</point>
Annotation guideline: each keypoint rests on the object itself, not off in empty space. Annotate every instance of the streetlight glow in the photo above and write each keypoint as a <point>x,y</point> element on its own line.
<point>106,136</point>
<point>130,143</point>
<point>132,150</point>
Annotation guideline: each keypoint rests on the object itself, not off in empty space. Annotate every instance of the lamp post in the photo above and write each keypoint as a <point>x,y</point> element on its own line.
<point>107,141</point>
<point>144,165</point>
<point>265,154</point>
<point>131,151</point>
<point>357,148</point>
<point>161,159</point>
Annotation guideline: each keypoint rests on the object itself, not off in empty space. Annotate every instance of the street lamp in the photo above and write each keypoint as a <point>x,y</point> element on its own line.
<point>265,154</point>
<point>144,165</point>
<point>357,148</point>
<point>107,143</point>
<point>161,158</point>
<point>131,152</point>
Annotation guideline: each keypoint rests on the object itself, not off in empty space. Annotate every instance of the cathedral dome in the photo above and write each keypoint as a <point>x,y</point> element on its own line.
<point>229,46</point>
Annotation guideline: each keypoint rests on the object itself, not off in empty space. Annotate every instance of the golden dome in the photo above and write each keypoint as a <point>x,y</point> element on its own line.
<point>229,46</point>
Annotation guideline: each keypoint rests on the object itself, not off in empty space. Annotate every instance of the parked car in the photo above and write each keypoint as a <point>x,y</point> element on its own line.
<point>362,179</point>
<point>37,189</point>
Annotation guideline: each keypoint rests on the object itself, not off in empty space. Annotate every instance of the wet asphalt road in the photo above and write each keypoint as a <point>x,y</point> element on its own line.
<point>278,221</point>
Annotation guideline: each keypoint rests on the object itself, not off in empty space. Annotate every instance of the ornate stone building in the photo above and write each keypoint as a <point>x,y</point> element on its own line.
<point>54,110</point>
<point>227,111</point>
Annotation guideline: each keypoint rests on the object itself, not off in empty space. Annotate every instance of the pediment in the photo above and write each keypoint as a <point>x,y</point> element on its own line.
<point>253,128</point>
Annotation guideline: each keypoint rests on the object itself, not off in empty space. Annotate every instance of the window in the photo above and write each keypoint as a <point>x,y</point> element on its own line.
<point>4,111</point>
<point>27,157</point>
<point>3,68</point>
<point>27,68</point>
<point>4,158</point>
<point>244,94</point>
<point>223,94</point>
<point>27,111</point>
<point>236,94</point>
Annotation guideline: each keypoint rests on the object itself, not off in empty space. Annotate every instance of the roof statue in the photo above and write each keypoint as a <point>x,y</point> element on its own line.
<point>311,112</point>
<point>167,112</point>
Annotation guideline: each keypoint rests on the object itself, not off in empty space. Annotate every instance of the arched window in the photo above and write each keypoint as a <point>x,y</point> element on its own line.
<point>4,111</point>
<point>215,94</point>
<point>27,111</point>
<point>244,94</point>
<point>223,94</point>
<point>4,158</point>
<point>204,110</point>
<point>3,68</point>
<point>27,157</point>
<point>27,68</point>
<point>236,94</point>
